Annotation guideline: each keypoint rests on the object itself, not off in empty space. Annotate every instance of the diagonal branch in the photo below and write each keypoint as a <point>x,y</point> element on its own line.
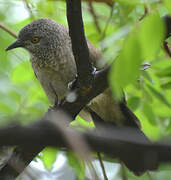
<point>8,30</point>
<point>95,18</point>
<point>121,142</point>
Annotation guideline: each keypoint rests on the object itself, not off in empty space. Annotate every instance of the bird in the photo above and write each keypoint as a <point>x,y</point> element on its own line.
<point>51,56</point>
<point>52,59</point>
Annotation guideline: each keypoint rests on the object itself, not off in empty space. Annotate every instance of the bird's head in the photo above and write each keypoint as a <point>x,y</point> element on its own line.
<point>38,37</point>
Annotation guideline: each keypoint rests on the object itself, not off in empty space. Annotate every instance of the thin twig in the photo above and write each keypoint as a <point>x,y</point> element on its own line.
<point>95,18</point>
<point>99,16</point>
<point>102,166</point>
<point>92,169</point>
<point>6,29</point>
<point>107,23</point>
<point>146,11</point>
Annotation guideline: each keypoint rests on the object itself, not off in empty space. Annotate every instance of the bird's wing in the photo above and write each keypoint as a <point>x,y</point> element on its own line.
<point>120,109</point>
<point>95,55</point>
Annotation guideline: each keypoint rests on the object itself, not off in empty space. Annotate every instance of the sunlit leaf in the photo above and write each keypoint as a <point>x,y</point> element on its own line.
<point>151,35</point>
<point>148,112</point>
<point>159,95</point>
<point>127,5</point>
<point>126,68</point>
<point>49,156</point>
<point>162,64</point>
<point>81,122</point>
<point>167,4</point>
<point>147,76</point>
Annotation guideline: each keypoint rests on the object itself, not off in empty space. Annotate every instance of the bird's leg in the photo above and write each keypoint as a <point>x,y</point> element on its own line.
<point>62,101</point>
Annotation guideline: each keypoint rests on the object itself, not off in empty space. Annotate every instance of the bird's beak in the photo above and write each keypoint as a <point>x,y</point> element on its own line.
<point>15,44</point>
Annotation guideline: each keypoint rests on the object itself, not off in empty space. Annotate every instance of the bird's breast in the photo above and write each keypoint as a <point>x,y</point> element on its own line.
<point>54,78</point>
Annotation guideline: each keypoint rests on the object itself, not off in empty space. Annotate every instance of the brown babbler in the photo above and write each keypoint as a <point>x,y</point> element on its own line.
<point>51,56</point>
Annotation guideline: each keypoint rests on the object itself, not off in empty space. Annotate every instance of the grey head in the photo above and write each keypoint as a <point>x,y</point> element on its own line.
<point>41,38</point>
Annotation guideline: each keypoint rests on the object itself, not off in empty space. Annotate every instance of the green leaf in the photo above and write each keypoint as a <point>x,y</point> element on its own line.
<point>159,95</point>
<point>127,2</point>
<point>161,64</point>
<point>147,76</point>
<point>133,102</point>
<point>165,72</point>
<point>127,6</point>
<point>6,108</point>
<point>15,95</point>
<point>143,42</point>
<point>166,85</point>
<point>167,4</point>
<point>151,35</point>
<point>79,121</point>
<point>49,156</point>
<point>22,73</point>
<point>148,112</point>
<point>77,164</point>
<point>126,68</point>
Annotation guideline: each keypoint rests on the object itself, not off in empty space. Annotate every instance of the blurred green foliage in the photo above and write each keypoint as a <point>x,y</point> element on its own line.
<point>77,164</point>
<point>122,37</point>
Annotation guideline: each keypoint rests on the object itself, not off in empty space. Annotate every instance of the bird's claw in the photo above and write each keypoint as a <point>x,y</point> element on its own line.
<point>73,84</point>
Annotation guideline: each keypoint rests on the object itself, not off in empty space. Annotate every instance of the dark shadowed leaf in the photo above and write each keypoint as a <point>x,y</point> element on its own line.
<point>164,72</point>
<point>166,85</point>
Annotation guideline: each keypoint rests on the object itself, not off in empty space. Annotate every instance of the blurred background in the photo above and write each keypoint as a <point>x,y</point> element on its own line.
<point>112,26</point>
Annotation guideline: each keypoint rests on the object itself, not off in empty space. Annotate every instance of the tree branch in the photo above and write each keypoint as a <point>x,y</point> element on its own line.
<point>125,143</point>
<point>8,30</point>
<point>79,44</point>
<point>95,18</point>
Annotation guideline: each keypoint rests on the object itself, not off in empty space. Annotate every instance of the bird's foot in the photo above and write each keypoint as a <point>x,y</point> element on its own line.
<point>73,84</point>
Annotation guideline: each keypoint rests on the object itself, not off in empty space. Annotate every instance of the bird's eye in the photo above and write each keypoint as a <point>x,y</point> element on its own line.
<point>35,40</point>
